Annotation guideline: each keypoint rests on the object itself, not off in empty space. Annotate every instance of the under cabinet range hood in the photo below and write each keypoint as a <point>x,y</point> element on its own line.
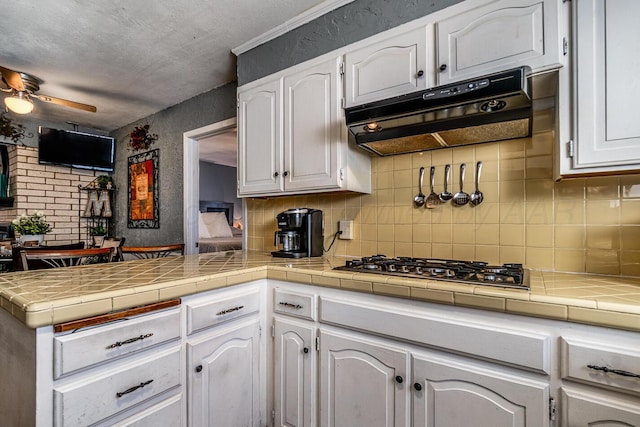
<point>485,109</point>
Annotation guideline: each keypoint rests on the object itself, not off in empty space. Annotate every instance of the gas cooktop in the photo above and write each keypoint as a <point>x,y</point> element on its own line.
<point>471,272</point>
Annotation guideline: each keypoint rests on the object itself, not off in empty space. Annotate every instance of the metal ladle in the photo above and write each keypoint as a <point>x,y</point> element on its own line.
<point>445,196</point>
<point>420,198</point>
<point>461,198</point>
<point>477,196</point>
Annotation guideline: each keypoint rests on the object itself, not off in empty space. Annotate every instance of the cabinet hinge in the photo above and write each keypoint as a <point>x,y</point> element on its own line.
<point>273,331</point>
<point>341,174</point>
<point>259,331</point>
<point>273,417</point>
<point>570,149</point>
<point>341,69</point>
<point>552,409</point>
<point>317,343</point>
<point>565,46</point>
<point>343,103</point>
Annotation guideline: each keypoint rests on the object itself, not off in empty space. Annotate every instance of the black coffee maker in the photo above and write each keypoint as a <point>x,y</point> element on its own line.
<point>300,233</point>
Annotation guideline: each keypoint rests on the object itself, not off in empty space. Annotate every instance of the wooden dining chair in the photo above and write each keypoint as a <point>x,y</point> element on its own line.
<point>56,258</point>
<point>116,243</point>
<point>17,257</point>
<point>146,252</point>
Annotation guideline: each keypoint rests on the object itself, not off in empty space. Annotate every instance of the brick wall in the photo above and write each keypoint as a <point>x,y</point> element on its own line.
<point>53,190</point>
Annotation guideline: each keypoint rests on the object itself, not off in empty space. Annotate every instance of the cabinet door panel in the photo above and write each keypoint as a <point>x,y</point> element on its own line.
<point>389,68</point>
<point>498,36</point>
<point>359,385</point>
<point>295,399</point>
<point>608,132</point>
<point>311,131</point>
<point>260,139</point>
<point>598,409</point>
<point>224,378</point>
<point>490,397</point>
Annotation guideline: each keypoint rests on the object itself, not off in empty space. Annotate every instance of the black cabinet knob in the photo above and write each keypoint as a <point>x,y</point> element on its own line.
<point>399,379</point>
<point>199,368</point>
<point>285,173</point>
<point>417,386</point>
<point>275,174</point>
<point>443,67</point>
<point>420,73</point>
<point>306,350</point>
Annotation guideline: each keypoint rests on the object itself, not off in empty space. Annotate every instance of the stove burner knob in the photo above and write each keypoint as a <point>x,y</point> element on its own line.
<point>391,267</point>
<point>418,269</point>
<point>404,269</point>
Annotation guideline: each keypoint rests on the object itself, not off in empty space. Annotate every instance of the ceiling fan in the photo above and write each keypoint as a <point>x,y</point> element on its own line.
<point>23,88</point>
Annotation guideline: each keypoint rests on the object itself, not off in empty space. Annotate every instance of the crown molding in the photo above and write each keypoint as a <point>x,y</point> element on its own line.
<point>295,22</point>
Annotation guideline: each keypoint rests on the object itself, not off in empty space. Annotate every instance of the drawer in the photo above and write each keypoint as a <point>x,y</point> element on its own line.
<point>88,347</point>
<point>215,309</point>
<point>167,413</point>
<point>588,362</point>
<point>293,303</point>
<point>101,395</point>
<point>457,332</point>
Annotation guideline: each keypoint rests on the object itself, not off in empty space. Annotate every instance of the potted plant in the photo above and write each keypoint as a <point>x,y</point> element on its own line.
<point>98,232</point>
<point>31,227</point>
<point>104,181</point>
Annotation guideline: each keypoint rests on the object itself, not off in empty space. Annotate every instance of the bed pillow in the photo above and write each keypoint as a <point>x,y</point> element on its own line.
<point>216,223</point>
<point>203,231</point>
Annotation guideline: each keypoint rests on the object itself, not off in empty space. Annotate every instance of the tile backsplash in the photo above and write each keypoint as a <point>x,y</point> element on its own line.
<point>577,225</point>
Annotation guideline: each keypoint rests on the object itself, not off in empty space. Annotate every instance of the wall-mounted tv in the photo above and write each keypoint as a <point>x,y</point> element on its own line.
<point>75,149</point>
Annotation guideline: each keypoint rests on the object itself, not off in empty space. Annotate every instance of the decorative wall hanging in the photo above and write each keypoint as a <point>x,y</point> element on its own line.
<point>143,190</point>
<point>9,130</point>
<point>141,139</point>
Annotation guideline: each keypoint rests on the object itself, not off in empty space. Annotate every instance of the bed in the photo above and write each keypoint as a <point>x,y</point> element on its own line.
<point>216,230</point>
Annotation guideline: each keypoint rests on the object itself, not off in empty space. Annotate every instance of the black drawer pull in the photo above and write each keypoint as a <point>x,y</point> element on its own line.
<point>134,388</point>
<point>613,371</point>
<point>230,310</point>
<point>129,341</point>
<point>288,304</point>
<point>417,386</point>
<point>399,379</point>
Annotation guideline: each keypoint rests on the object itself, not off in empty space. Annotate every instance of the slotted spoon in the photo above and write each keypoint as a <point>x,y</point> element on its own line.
<point>461,198</point>
<point>477,197</point>
<point>432,200</point>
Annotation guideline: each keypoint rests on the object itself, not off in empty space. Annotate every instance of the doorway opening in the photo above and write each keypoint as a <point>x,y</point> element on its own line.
<point>210,154</point>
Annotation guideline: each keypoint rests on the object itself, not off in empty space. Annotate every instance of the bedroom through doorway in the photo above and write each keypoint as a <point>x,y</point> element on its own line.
<point>213,214</point>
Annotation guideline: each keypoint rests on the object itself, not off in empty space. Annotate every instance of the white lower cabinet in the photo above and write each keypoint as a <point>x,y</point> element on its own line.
<point>224,377</point>
<point>295,365</point>
<point>363,382</point>
<point>450,391</point>
<point>589,408</point>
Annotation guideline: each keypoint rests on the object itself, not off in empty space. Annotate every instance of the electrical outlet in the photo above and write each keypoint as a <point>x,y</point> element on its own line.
<point>346,226</point>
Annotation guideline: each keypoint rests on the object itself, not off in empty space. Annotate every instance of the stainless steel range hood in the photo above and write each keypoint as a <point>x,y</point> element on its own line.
<point>485,109</point>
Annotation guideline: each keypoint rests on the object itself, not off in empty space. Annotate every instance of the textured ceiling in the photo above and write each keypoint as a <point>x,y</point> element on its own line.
<point>129,58</point>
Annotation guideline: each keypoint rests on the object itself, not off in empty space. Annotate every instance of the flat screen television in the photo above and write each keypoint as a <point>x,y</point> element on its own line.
<point>75,149</point>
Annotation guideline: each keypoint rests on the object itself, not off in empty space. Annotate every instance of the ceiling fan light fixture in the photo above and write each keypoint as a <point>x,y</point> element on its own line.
<point>19,103</point>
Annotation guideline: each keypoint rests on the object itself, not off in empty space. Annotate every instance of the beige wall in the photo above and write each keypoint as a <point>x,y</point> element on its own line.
<point>52,190</point>
<point>578,225</point>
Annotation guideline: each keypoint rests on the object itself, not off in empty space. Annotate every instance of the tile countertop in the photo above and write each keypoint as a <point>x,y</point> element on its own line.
<point>46,297</point>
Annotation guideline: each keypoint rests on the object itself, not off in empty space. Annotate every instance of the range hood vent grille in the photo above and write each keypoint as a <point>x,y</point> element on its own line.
<point>486,109</point>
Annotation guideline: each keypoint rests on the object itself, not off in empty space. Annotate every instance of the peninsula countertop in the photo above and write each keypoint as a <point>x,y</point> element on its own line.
<point>46,297</point>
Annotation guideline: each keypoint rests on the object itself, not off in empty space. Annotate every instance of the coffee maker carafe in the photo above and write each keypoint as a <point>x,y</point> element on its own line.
<point>299,234</point>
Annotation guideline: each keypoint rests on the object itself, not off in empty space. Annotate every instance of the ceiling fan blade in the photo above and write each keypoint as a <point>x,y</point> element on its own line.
<point>65,102</point>
<point>12,78</point>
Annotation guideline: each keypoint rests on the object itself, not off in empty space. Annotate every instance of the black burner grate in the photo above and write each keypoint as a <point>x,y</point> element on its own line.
<point>473,272</point>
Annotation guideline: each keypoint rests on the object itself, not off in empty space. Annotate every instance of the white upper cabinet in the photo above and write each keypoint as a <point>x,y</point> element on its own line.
<point>311,127</point>
<point>497,36</point>
<point>292,136</point>
<point>398,65</point>
<point>260,139</point>
<point>606,129</point>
